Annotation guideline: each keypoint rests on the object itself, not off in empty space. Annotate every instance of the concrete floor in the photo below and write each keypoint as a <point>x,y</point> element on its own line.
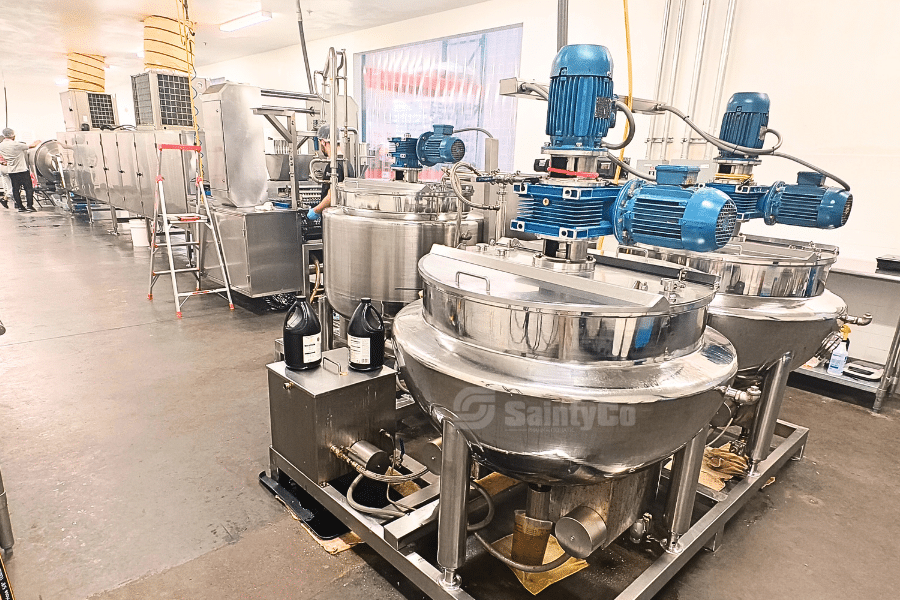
<point>130,443</point>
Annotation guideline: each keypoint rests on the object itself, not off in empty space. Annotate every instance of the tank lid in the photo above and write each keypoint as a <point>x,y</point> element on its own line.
<point>399,199</point>
<point>509,278</point>
<point>761,251</point>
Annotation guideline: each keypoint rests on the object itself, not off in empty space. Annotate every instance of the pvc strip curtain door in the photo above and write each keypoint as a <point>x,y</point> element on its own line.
<point>449,81</point>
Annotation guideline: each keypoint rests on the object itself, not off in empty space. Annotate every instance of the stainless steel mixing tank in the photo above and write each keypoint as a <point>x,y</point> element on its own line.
<point>375,235</point>
<point>560,378</point>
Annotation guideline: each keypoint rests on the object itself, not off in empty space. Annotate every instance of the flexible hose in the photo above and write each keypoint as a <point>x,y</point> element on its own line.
<point>624,165</point>
<point>531,87</point>
<point>835,178</point>
<point>629,133</point>
<point>490,506</point>
<point>376,476</point>
<point>720,143</point>
<point>383,513</point>
<point>316,289</point>
<point>515,565</point>
<point>729,147</point>
<point>629,127</point>
<point>481,129</point>
<point>724,429</point>
<point>456,185</point>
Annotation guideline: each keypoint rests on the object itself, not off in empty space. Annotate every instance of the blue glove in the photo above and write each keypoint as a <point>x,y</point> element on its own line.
<point>312,215</point>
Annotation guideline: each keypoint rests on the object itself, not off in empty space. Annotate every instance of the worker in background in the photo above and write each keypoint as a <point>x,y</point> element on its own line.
<point>5,184</point>
<point>13,154</point>
<point>324,135</point>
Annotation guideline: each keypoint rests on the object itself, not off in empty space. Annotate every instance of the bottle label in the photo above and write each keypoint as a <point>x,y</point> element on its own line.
<point>360,350</point>
<point>312,348</point>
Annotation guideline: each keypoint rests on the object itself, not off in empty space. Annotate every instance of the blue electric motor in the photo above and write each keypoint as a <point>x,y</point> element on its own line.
<point>582,107</point>
<point>439,146</point>
<point>429,149</point>
<point>744,121</point>
<point>674,213</point>
<point>808,203</point>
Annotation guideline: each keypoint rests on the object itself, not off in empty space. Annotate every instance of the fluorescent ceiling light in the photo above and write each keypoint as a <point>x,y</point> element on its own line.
<point>140,53</point>
<point>260,16</point>
<point>62,81</point>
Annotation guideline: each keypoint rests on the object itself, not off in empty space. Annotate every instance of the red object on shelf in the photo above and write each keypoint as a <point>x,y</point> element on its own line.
<point>179,147</point>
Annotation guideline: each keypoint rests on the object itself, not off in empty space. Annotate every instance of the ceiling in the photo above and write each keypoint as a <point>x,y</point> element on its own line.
<point>37,34</point>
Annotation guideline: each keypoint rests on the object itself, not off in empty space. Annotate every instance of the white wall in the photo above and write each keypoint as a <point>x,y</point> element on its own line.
<point>826,64</point>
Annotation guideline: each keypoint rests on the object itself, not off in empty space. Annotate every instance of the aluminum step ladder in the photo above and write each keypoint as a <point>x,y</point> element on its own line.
<point>166,224</point>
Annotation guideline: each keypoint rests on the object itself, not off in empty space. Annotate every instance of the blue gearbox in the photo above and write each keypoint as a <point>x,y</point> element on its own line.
<point>404,153</point>
<point>674,213</point>
<point>582,106</point>
<point>744,122</point>
<point>565,212</point>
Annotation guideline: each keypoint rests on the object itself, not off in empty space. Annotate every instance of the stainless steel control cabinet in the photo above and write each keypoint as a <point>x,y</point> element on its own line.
<point>311,411</point>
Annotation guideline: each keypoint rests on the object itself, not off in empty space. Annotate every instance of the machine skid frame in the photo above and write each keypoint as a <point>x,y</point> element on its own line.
<point>393,540</point>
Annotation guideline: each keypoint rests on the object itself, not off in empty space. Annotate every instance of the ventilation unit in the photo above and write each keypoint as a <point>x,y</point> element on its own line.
<point>162,99</point>
<point>89,110</point>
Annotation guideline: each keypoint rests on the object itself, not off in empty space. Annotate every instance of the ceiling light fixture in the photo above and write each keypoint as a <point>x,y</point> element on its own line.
<point>260,16</point>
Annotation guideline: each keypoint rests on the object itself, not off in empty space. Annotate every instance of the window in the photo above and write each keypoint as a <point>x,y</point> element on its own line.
<point>448,81</point>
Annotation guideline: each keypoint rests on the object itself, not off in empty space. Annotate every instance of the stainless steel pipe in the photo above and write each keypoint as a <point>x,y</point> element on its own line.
<point>657,86</point>
<point>537,502</point>
<point>562,24</point>
<point>676,56</point>
<point>309,77</point>
<point>683,488</point>
<point>456,462</point>
<point>326,320</point>
<point>767,411</point>
<point>720,73</point>
<point>6,534</point>
<point>695,77</point>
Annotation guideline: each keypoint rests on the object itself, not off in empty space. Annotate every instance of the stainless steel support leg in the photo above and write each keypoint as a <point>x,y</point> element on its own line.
<point>767,412</point>
<point>115,220</point>
<point>455,466</point>
<point>891,367</point>
<point>683,488</point>
<point>6,534</point>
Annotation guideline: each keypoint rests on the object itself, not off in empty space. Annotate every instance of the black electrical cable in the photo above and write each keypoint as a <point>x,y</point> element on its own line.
<point>626,167</point>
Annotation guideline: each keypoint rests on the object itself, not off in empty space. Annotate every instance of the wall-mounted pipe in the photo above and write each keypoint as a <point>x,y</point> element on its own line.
<point>657,86</point>
<point>676,56</point>
<point>695,76</point>
<point>720,73</point>
<point>309,77</point>
<point>562,24</point>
